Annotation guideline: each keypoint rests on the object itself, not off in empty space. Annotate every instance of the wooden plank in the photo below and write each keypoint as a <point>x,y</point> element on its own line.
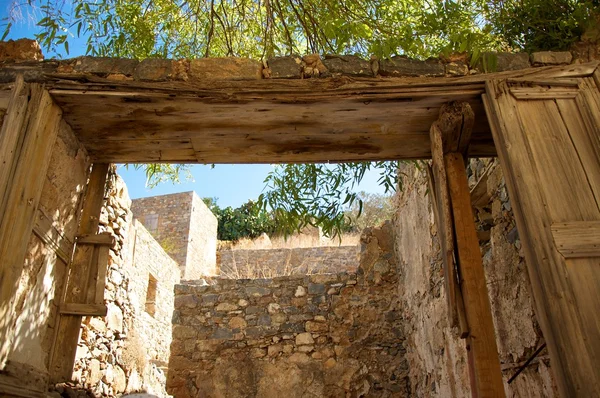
<point>482,338</point>
<point>443,217</point>
<point>547,184</point>
<point>577,238</point>
<point>537,93</point>
<point>329,127</point>
<point>584,131</point>
<point>549,82</point>
<point>29,160</point>
<point>52,237</point>
<point>5,97</point>
<point>83,309</point>
<point>103,256</point>
<point>67,331</point>
<point>103,239</point>
<point>11,137</point>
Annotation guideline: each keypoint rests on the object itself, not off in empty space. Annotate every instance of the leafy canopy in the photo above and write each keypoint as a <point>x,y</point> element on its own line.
<point>260,28</point>
<point>304,194</point>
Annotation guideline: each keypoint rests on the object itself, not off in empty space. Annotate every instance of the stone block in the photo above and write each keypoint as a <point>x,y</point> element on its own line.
<point>222,334</point>
<point>551,58</point>
<point>304,339</point>
<point>300,291</point>
<point>316,288</point>
<point>292,327</point>
<point>273,308</point>
<point>183,332</point>
<point>188,301</point>
<point>457,68</point>
<point>501,62</point>
<point>156,69</point>
<point>20,50</point>
<point>348,65</point>
<point>226,68</point>
<point>285,67</point>
<point>316,327</point>
<point>402,66</point>
<point>256,291</point>
<point>105,66</point>
<point>255,331</point>
<point>263,320</point>
<point>209,299</point>
<point>226,307</point>
<point>237,323</point>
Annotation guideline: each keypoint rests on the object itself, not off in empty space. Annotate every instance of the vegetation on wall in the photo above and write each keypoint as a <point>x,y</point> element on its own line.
<point>302,195</point>
<point>247,221</point>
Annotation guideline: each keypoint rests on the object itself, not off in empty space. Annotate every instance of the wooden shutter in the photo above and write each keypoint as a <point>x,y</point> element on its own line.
<point>547,135</point>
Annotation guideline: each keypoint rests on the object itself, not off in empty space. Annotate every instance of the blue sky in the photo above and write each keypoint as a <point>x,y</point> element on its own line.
<point>233,185</point>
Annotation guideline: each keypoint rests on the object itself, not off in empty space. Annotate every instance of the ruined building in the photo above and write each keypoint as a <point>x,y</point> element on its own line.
<point>484,283</point>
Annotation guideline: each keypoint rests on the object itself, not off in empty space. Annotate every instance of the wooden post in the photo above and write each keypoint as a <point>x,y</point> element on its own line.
<point>481,342</point>
<point>27,137</point>
<point>81,270</point>
<point>468,300</point>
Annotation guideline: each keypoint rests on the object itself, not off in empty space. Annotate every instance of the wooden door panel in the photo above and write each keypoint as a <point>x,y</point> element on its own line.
<point>549,148</point>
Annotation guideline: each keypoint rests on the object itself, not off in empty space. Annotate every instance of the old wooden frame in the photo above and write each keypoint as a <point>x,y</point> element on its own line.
<point>308,121</point>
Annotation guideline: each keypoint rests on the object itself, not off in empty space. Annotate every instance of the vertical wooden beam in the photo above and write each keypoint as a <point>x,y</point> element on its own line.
<point>27,137</point>
<point>81,269</point>
<point>11,136</point>
<point>481,342</point>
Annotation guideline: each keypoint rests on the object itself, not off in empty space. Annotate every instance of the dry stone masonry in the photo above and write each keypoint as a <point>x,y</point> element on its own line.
<point>327,335</point>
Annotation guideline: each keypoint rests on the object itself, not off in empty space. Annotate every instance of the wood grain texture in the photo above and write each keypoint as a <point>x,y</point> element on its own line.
<point>481,342</point>
<point>11,137</point>
<point>549,182</point>
<point>82,272</point>
<point>83,309</point>
<point>443,217</point>
<point>274,120</point>
<point>35,135</point>
<point>282,127</point>
<point>577,239</point>
<point>52,237</point>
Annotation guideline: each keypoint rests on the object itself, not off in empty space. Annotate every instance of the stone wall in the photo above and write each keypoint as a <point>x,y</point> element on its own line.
<point>127,350</point>
<point>436,355</point>
<point>240,264</point>
<point>42,280</point>
<point>329,335</point>
<point>185,228</point>
<point>167,217</point>
<point>202,247</point>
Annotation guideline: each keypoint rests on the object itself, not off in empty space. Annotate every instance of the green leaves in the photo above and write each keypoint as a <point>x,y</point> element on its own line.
<point>319,194</point>
<point>159,173</point>
<point>247,221</point>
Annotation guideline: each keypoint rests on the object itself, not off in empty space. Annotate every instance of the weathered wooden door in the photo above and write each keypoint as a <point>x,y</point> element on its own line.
<point>547,134</point>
